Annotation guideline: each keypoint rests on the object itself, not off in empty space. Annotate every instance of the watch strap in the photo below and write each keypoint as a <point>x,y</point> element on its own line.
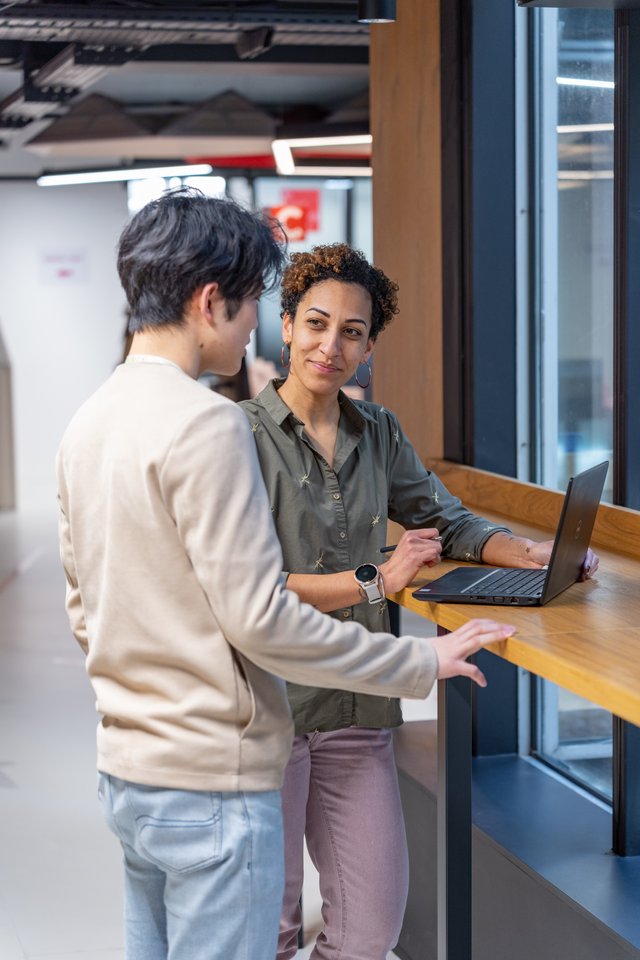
<point>373,592</point>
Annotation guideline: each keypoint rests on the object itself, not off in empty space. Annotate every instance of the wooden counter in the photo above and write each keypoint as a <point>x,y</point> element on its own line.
<point>587,639</point>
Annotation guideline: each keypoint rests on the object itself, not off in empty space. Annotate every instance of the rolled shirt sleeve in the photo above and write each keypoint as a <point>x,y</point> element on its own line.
<point>418,498</point>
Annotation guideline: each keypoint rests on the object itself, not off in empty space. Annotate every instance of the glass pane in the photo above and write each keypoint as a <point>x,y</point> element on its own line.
<point>576,738</point>
<point>573,93</point>
<point>575,130</point>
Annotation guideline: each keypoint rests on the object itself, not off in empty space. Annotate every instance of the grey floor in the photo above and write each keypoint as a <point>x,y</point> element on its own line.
<point>60,874</point>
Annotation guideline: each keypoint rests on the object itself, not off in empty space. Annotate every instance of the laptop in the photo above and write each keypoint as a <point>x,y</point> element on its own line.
<point>531,588</point>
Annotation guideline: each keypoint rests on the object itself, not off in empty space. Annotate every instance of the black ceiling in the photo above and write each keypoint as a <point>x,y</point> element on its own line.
<point>57,53</point>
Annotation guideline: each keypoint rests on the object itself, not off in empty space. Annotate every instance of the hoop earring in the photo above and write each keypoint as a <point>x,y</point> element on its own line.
<point>363,386</point>
<point>285,346</point>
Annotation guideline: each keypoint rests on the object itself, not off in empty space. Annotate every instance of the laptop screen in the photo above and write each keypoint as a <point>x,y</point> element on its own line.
<point>574,529</point>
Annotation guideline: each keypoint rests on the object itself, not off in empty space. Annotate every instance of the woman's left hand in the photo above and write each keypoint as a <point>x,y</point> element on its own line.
<point>590,565</point>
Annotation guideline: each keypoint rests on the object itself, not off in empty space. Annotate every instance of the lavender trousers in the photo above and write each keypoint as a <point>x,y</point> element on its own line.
<point>341,791</point>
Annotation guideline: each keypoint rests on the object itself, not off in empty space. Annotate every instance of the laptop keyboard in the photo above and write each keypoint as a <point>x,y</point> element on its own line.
<point>511,583</point>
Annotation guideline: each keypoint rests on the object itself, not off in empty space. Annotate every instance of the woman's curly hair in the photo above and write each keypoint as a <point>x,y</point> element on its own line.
<point>339,261</point>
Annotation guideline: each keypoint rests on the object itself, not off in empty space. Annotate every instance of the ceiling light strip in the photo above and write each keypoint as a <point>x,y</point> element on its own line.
<point>346,140</point>
<point>577,82</point>
<point>585,128</point>
<point>327,171</point>
<point>285,162</point>
<point>585,174</point>
<point>112,176</point>
<point>281,150</point>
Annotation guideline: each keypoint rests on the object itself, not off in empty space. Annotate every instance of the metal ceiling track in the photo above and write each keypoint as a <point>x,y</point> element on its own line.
<point>64,48</point>
<point>338,12</point>
<point>158,24</point>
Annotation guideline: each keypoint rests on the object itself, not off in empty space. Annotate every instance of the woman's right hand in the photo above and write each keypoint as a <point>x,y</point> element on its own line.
<point>452,649</point>
<point>416,549</point>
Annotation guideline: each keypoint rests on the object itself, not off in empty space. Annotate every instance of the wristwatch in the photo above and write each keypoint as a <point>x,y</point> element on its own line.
<point>369,579</point>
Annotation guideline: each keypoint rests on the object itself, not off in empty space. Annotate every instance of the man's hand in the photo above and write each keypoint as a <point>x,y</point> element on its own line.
<point>454,648</point>
<point>416,548</point>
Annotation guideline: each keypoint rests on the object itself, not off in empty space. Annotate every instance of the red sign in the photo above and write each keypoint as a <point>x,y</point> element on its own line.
<point>298,213</point>
<point>293,219</point>
<point>309,200</point>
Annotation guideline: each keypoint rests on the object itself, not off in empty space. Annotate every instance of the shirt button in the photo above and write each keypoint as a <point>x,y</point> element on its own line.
<point>336,496</point>
<point>343,535</point>
<point>346,614</point>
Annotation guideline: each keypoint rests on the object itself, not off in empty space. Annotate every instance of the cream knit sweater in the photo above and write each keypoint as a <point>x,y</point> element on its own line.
<point>176,596</point>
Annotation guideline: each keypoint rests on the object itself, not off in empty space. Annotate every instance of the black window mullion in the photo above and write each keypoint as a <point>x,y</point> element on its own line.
<point>620,255</point>
<point>627,250</point>
<point>492,286</point>
<point>479,277</point>
<point>493,224</point>
<point>626,789</point>
<point>455,21</point>
<point>626,478</point>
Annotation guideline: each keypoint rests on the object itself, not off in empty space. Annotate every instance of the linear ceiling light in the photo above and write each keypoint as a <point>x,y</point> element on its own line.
<point>110,176</point>
<point>331,171</point>
<point>585,174</point>
<point>585,128</point>
<point>376,11</point>
<point>285,161</point>
<point>577,82</point>
<point>347,140</point>
<point>283,157</point>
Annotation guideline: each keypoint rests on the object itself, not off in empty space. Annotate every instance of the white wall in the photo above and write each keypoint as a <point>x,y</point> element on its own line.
<point>64,335</point>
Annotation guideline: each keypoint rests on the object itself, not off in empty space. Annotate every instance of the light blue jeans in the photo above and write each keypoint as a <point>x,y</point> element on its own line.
<point>204,871</point>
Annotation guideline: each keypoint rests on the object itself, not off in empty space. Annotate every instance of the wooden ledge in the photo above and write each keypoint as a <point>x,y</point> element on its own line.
<point>586,640</point>
<point>616,528</point>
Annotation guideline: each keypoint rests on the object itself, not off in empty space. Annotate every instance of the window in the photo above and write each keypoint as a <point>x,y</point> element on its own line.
<point>572,285</point>
<point>140,192</point>
<point>573,143</point>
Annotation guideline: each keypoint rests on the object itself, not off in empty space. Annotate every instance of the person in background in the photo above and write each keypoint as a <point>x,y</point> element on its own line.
<point>336,470</point>
<point>175,594</point>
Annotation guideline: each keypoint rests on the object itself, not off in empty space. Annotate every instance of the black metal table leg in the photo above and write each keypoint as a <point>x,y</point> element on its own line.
<point>454,819</point>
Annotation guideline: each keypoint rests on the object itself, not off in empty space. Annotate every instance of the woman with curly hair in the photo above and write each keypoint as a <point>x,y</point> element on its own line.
<point>336,470</point>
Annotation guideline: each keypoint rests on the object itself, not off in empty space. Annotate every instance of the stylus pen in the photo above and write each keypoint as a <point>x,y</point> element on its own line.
<point>394,545</point>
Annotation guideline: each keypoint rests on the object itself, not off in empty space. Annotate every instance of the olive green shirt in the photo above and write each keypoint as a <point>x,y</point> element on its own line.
<point>333,518</point>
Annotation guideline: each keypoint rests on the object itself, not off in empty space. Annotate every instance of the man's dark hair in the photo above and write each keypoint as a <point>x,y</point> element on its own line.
<point>184,240</point>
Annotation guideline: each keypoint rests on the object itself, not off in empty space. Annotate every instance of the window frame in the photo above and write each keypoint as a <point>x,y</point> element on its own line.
<point>479,43</point>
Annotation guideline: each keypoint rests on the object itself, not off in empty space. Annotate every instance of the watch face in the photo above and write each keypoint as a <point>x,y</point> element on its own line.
<point>366,572</point>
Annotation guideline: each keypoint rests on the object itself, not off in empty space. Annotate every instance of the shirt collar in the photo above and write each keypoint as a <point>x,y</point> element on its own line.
<point>151,358</point>
<point>274,405</point>
<point>279,411</point>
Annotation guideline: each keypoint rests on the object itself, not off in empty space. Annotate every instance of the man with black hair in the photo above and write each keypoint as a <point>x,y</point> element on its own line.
<point>175,594</point>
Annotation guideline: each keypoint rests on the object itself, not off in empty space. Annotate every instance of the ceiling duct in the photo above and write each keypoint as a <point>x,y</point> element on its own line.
<point>252,43</point>
<point>52,78</point>
<point>71,71</point>
<point>78,43</point>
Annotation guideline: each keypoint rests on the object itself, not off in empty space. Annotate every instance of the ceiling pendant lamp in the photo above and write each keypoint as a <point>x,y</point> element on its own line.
<point>376,11</point>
